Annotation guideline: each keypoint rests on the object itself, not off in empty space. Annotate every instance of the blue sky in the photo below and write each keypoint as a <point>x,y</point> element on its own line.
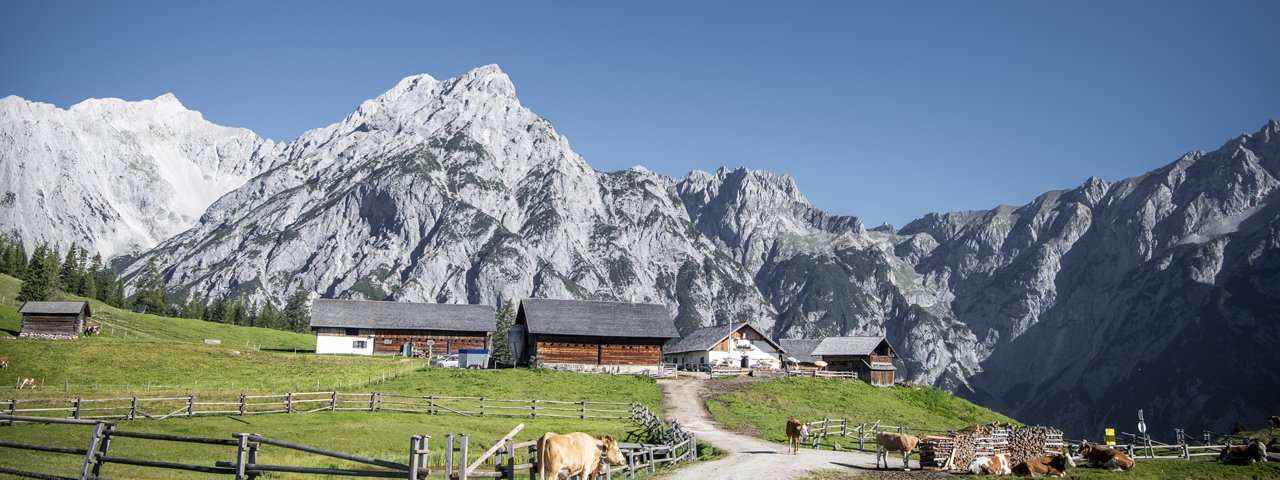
<point>885,110</point>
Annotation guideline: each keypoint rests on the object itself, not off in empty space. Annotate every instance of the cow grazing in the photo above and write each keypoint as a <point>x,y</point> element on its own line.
<point>1249,454</point>
<point>1047,466</point>
<point>997,464</point>
<point>1099,456</point>
<point>26,382</point>
<point>895,442</point>
<point>4,363</point>
<point>92,330</point>
<point>796,431</point>
<point>578,452</point>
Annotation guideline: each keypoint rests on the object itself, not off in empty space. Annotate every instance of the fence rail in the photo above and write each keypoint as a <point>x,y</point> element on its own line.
<point>160,408</point>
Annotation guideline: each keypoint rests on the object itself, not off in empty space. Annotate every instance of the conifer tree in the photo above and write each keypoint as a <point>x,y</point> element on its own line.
<point>239,315</point>
<point>270,317</point>
<point>70,270</point>
<point>502,353</point>
<point>194,308</point>
<point>40,279</point>
<point>218,311</point>
<point>151,295</point>
<point>17,258</point>
<point>296,313</point>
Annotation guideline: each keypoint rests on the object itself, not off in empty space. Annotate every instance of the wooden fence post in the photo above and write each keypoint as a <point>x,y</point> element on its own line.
<point>583,414</point>
<point>242,456</point>
<point>481,406</point>
<point>76,414</point>
<point>535,408</point>
<point>333,401</point>
<point>133,409</point>
<point>102,451</point>
<point>373,400</point>
<point>462,470</point>
<point>862,436</point>
<point>288,402</point>
<point>413,457</point>
<point>253,456</point>
<point>242,404</point>
<point>511,460</point>
<point>448,456</point>
<point>91,452</point>
<point>191,405</point>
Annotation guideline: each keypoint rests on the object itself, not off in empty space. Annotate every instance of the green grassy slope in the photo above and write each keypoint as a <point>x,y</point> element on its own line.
<point>762,408</point>
<point>1201,468</point>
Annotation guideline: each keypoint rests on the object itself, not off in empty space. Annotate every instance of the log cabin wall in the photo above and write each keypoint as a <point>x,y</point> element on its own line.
<point>387,342</point>
<point>47,324</point>
<point>599,350</point>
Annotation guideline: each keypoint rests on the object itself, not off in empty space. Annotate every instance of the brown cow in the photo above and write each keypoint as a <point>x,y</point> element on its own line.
<point>1049,465</point>
<point>997,464</point>
<point>4,362</point>
<point>26,382</point>
<point>1249,454</point>
<point>796,431</point>
<point>1099,456</point>
<point>578,452</point>
<point>895,442</point>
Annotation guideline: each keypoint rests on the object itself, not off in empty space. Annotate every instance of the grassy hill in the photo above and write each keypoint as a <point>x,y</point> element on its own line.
<point>762,408</point>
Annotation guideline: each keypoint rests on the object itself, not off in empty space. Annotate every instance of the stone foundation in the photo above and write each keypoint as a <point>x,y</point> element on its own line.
<point>47,336</point>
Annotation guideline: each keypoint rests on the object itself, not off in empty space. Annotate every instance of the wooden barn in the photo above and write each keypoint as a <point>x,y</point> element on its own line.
<point>800,350</point>
<point>54,320</point>
<point>383,328</point>
<point>871,357</point>
<point>580,332</point>
<point>714,346</point>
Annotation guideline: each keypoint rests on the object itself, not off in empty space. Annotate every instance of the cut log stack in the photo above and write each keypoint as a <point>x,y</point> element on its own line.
<point>954,452</point>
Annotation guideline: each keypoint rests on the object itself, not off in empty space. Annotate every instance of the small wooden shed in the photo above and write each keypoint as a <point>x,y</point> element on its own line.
<point>583,332</point>
<point>871,357</point>
<point>383,328</point>
<point>801,349</point>
<point>54,320</point>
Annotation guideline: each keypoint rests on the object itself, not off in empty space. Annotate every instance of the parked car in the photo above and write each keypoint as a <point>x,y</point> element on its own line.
<point>447,361</point>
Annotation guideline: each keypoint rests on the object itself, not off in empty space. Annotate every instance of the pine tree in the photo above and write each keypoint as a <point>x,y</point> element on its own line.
<point>39,281</point>
<point>218,311</point>
<point>17,259</point>
<point>252,314</point>
<point>239,315</point>
<point>502,353</point>
<point>151,295</point>
<point>70,271</point>
<point>194,308</point>
<point>270,317</point>
<point>89,287</point>
<point>296,312</point>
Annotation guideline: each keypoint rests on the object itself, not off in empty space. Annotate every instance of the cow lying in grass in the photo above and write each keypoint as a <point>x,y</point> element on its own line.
<point>997,464</point>
<point>1047,466</point>
<point>578,452</point>
<point>1099,456</point>
<point>1249,454</point>
<point>796,431</point>
<point>26,382</point>
<point>4,363</point>
<point>895,442</point>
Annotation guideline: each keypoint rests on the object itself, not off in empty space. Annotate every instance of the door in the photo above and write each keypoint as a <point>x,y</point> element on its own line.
<point>745,363</point>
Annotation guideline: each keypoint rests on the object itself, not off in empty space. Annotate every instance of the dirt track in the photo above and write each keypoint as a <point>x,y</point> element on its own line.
<point>748,458</point>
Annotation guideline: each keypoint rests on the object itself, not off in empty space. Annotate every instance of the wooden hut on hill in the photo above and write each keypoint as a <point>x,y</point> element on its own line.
<point>591,333</point>
<point>713,346</point>
<point>871,357</point>
<point>383,328</point>
<point>54,320</point>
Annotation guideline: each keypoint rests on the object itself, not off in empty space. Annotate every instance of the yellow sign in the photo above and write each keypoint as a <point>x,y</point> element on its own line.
<point>1110,436</point>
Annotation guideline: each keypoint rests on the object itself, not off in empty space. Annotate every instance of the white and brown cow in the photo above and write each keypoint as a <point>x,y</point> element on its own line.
<point>1249,454</point>
<point>1047,466</point>
<point>796,431</point>
<point>997,464</point>
<point>579,453</point>
<point>26,382</point>
<point>4,362</point>
<point>1100,456</point>
<point>895,442</point>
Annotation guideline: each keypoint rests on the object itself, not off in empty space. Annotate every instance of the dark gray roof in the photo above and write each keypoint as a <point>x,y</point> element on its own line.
<point>56,308</point>
<point>704,338</point>
<point>597,319</point>
<point>848,346</point>
<point>402,315</point>
<point>801,348</point>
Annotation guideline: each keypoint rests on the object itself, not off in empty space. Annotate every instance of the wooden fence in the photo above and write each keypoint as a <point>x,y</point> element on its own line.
<point>865,433</point>
<point>245,448</point>
<point>159,408</point>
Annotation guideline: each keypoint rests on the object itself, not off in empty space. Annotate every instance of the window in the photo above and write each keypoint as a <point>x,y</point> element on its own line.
<point>386,341</point>
<point>361,344</point>
<point>353,332</point>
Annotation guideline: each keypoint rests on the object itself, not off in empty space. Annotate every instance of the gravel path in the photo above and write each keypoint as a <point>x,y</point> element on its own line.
<point>748,458</point>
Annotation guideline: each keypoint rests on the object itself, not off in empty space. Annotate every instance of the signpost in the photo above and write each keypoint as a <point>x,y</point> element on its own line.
<point>430,343</point>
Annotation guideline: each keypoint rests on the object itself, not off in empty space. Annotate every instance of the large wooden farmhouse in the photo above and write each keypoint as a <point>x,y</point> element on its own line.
<point>871,357</point>
<point>383,328</point>
<point>579,332</point>
<point>715,346</point>
<point>54,320</point>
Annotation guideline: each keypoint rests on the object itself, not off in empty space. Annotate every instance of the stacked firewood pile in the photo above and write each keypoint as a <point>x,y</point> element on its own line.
<point>955,451</point>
